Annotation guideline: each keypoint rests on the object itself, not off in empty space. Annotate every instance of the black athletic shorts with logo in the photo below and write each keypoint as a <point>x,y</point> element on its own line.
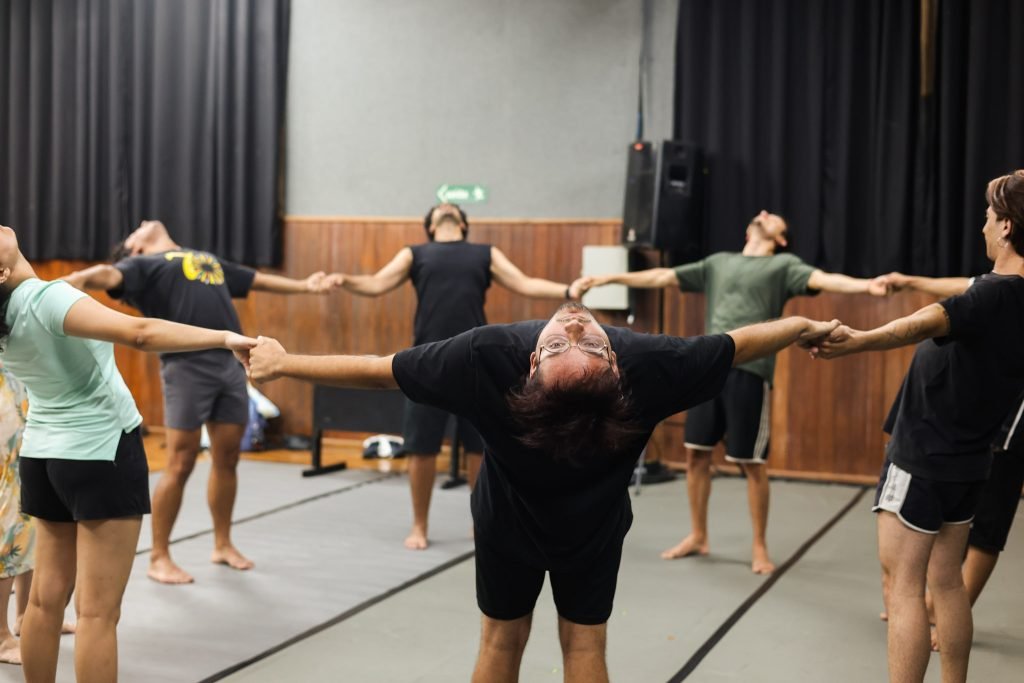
<point>507,588</point>
<point>423,430</point>
<point>61,490</point>
<point>741,414</point>
<point>925,505</point>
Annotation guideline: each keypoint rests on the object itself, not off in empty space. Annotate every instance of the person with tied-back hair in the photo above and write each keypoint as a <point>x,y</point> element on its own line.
<point>451,277</point>
<point>966,375</point>
<point>84,476</point>
<point>564,408</point>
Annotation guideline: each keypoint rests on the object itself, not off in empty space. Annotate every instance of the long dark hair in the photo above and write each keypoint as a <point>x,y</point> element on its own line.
<point>575,420</point>
<point>5,331</point>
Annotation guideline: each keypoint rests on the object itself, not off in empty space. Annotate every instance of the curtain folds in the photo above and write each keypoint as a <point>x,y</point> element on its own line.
<point>119,110</point>
<point>815,110</point>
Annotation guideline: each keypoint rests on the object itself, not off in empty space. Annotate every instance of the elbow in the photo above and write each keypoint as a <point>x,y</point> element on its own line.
<point>142,335</point>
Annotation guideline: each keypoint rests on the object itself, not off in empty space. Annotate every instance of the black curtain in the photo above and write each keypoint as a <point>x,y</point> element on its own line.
<point>815,110</point>
<point>118,110</point>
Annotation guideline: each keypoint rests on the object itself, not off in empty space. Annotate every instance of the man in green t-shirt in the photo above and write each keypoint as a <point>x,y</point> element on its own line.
<point>742,288</point>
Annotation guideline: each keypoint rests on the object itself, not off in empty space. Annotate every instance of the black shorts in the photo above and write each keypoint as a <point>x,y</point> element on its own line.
<point>423,430</point>
<point>198,391</point>
<point>507,588</point>
<point>922,504</point>
<point>741,414</point>
<point>999,499</point>
<point>61,490</point>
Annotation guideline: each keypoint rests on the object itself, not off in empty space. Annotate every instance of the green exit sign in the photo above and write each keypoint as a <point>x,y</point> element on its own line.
<point>462,194</point>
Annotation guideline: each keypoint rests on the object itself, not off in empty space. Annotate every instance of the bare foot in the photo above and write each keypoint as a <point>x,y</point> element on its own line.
<point>691,545</point>
<point>417,539</point>
<point>10,651</point>
<point>163,570</point>
<point>884,616</point>
<point>67,628</point>
<point>232,558</point>
<point>761,563</point>
<point>935,639</point>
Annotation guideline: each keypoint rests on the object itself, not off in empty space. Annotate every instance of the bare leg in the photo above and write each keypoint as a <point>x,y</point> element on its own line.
<point>106,550</point>
<point>501,649</point>
<point>225,449</point>
<point>978,567</point>
<point>954,626</point>
<point>10,649</point>
<point>583,649</point>
<point>422,470</point>
<point>473,461</point>
<point>22,589</point>
<point>698,489</point>
<point>758,495</point>
<point>182,449</point>
<point>51,589</point>
<point>904,557</point>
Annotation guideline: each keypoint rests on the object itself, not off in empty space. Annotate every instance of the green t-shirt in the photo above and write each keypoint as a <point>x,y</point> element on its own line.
<point>78,404</point>
<point>743,290</point>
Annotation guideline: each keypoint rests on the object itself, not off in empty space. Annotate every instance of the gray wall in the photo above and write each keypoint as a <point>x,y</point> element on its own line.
<point>534,99</point>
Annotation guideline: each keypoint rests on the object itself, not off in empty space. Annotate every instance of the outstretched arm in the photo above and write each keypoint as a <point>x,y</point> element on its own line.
<point>101,276</point>
<point>383,281</point>
<point>943,287</point>
<point>90,319</point>
<point>506,274</point>
<point>654,278</point>
<point>764,339</point>
<point>269,361</point>
<point>844,284</point>
<point>930,321</point>
<point>317,283</point>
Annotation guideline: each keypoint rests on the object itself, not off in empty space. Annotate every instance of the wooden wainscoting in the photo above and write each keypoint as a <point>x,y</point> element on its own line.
<point>826,416</point>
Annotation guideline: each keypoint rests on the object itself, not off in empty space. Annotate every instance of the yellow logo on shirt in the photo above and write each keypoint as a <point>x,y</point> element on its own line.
<point>202,267</point>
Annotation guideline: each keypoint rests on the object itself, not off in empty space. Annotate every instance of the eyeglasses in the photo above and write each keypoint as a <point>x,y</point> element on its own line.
<point>594,346</point>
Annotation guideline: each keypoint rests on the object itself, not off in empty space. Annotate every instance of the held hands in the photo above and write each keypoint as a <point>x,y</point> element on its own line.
<point>240,345</point>
<point>841,341</point>
<point>577,289</point>
<point>884,285</point>
<point>319,283</point>
<point>336,280</point>
<point>584,284</point>
<point>265,359</point>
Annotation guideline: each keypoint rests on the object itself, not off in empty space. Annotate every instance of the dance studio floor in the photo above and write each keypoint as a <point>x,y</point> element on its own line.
<point>335,597</point>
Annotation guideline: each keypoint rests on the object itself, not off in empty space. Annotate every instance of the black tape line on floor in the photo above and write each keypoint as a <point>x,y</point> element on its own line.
<point>727,625</point>
<point>340,618</point>
<point>279,508</point>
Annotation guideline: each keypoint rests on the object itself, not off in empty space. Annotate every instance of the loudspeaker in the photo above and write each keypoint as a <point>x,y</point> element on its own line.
<point>678,228</point>
<point>638,207</point>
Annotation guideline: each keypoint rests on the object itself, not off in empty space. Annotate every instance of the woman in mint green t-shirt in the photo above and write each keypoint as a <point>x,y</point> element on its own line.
<point>83,468</point>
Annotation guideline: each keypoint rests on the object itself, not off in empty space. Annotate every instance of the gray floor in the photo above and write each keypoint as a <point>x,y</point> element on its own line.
<point>323,546</point>
<point>818,622</point>
<point>331,568</point>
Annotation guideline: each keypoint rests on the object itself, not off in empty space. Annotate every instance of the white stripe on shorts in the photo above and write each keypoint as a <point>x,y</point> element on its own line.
<point>1013,428</point>
<point>894,494</point>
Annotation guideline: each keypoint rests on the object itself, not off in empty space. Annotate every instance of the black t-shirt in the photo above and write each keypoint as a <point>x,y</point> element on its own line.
<point>551,513</point>
<point>451,279</point>
<point>959,388</point>
<point>186,286</point>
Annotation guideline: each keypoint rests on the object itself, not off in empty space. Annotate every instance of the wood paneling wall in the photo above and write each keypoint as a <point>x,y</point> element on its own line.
<point>826,417</point>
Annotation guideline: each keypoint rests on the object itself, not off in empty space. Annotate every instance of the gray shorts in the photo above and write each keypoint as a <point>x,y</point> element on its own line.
<point>423,429</point>
<point>196,392</point>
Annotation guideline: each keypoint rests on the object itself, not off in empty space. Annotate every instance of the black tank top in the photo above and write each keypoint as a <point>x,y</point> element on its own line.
<point>451,279</point>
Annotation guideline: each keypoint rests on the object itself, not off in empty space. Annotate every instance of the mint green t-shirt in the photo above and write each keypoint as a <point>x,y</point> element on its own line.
<point>743,290</point>
<point>78,404</point>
